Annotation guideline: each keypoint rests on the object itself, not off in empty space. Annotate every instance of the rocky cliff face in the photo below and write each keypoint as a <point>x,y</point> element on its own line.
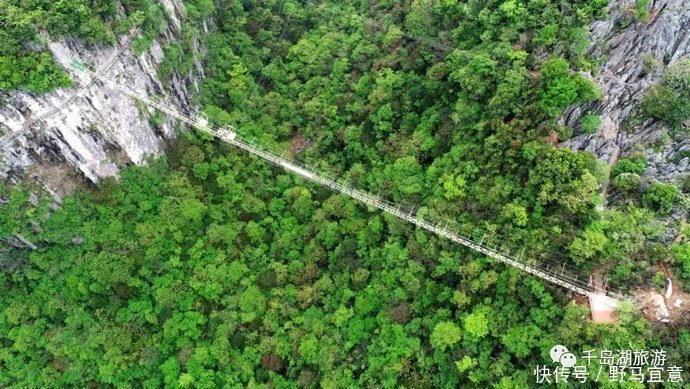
<point>103,129</point>
<point>99,129</point>
<point>624,77</point>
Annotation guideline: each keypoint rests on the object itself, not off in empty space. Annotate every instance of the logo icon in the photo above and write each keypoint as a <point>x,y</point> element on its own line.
<point>561,354</point>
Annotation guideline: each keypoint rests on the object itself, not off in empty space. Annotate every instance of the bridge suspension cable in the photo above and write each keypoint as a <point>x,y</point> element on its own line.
<point>548,272</point>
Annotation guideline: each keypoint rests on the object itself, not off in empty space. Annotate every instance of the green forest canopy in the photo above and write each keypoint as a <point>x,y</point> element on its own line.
<point>212,268</point>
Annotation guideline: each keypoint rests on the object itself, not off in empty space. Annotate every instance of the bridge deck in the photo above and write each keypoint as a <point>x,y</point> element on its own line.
<point>229,135</point>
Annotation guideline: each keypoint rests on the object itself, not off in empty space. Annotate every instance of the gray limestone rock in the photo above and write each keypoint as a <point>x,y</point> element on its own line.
<point>633,59</point>
<point>100,129</point>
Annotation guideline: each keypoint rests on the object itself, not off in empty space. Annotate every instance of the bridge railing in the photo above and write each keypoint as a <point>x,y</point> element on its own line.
<point>560,274</point>
<point>569,280</point>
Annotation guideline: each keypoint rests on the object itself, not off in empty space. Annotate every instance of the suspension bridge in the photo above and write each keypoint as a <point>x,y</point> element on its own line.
<point>555,274</point>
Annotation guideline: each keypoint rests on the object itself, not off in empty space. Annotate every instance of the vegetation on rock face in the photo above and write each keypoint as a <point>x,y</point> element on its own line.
<point>212,268</point>
<point>24,62</point>
<point>664,104</point>
<point>670,101</point>
<point>635,163</point>
<point>642,10</point>
<point>662,197</point>
<point>627,182</point>
<point>590,123</point>
<point>35,72</point>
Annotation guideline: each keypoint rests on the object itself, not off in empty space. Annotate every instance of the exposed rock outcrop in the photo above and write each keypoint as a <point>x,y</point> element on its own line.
<point>100,129</point>
<point>629,55</point>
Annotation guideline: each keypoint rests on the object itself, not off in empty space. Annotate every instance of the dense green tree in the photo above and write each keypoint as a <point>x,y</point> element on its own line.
<point>628,182</point>
<point>589,245</point>
<point>477,324</point>
<point>664,104</point>
<point>560,89</point>
<point>633,164</point>
<point>445,334</point>
<point>661,197</point>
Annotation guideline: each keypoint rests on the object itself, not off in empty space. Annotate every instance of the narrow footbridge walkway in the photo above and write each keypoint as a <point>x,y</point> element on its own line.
<point>555,274</point>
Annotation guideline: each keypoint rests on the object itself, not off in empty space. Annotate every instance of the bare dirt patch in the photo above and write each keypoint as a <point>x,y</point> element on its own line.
<point>61,179</point>
<point>673,309</point>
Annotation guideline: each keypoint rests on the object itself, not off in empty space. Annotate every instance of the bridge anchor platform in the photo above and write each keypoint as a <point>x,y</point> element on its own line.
<point>603,308</point>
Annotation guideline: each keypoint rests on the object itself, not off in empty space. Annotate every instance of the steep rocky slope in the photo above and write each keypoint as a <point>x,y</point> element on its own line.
<point>103,129</point>
<point>624,78</point>
<point>99,129</point>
